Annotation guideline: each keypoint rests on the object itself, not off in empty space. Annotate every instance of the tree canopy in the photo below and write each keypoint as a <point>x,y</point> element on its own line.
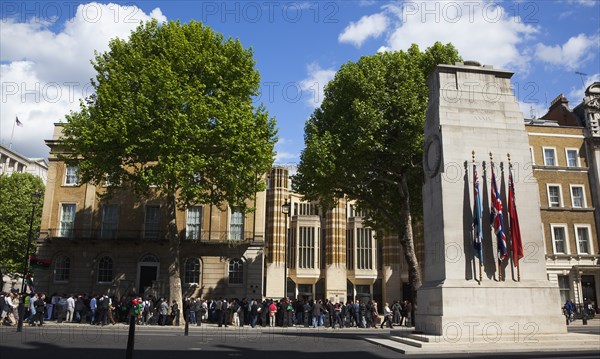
<point>365,141</point>
<point>173,109</point>
<point>173,114</point>
<point>16,204</point>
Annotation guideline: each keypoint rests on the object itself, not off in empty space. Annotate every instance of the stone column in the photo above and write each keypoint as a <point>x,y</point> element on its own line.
<point>472,108</point>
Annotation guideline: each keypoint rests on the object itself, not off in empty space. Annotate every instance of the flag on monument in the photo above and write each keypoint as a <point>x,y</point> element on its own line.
<point>496,218</point>
<point>19,123</point>
<point>515,230</point>
<point>477,214</point>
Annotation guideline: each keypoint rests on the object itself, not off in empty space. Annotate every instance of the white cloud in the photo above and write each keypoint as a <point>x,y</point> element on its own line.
<point>315,83</point>
<point>588,3</point>
<point>45,73</point>
<point>572,54</point>
<point>368,26</point>
<point>576,95</point>
<point>481,31</point>
<point>366,2</point>
<point>533,109</point>
<point>283,157</point>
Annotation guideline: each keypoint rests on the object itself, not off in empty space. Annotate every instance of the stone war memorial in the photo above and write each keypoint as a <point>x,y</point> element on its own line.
<point>474,121</point>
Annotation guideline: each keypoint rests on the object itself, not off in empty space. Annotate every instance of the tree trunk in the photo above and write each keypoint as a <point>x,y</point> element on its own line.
<point>174,243</point>
<point>408,247</point>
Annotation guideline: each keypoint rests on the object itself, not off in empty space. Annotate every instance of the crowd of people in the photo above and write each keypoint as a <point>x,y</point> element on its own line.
<point>285,313</point>
<point>104,310</point>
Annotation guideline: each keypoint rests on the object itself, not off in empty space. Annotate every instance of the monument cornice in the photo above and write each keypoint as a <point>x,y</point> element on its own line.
<point>475,69</point>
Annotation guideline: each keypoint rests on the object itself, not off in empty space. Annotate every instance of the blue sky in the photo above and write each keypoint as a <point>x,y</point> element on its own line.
<point>45,48</point>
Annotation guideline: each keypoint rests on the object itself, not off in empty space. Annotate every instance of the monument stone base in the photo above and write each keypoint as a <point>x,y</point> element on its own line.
<point>460,310</point>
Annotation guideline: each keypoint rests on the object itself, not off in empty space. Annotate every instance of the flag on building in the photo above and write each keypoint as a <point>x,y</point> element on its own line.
<point>38,263</point>
<point>515,230</point>
<point>496,217</point>
<point>477,214</point>
<point>19,123</point>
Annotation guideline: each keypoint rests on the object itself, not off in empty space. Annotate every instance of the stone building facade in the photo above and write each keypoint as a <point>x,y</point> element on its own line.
<point>330,254</point>
<point>12,161</point>
<point>117,246</point>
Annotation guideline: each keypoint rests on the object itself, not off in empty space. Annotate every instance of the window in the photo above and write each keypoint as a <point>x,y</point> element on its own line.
<point>559,239</point>
<point>549,157</point>
<point>152,222</point>
<point>582,234</point>
<point>236,271</point>
<point>67,220</point>
<point>191,271</point>
<point>554,195</point>
<point>71,177</point>
<point>306,209</point>
<point>577,197</point>
<point>193,223</point>
<point>364,249</point>
<point>349,249</point>
<point>291,248</point>
<point>531,155</point>
<point>236,227</point>
<point>306,247</point>
<point>565,289</point>
<point>110,221</point>
<point>62,269</point>
<point>354,212</point>
<point>572,157</point>
<point>105,270</point>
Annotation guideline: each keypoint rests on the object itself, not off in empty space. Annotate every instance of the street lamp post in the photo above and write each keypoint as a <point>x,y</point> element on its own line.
<point>285,209</point>
<point>34,200</point>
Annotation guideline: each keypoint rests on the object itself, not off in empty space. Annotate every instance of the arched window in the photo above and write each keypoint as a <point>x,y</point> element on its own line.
<point>62,269</point>
<point>236,271</point>
<point>105,269</point>
<point>191,271</point>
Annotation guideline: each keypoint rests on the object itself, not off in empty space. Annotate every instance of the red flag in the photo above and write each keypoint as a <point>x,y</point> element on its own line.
<point>515,230</point>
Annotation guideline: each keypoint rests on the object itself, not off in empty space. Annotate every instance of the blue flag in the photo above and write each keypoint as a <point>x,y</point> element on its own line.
<point>477,214</point>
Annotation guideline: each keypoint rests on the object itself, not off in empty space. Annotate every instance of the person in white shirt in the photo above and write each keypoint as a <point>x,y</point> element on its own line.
<point>70,308</point>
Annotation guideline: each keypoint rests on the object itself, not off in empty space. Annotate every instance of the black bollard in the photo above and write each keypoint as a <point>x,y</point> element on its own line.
<point>187,322</point>
<point>131,337</point>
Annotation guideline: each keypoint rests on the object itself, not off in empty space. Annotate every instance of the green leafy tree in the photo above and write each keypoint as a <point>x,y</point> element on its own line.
<point>173,109</point>
<point>366,141</point>
<point>16,204</point>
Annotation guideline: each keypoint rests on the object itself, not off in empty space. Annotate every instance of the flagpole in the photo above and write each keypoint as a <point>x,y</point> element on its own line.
<point>500,277</point>
<point>511,233</point>
<point>480,257</point>
<point>12,133</point>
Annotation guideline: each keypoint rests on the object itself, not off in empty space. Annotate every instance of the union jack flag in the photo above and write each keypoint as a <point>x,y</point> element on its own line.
<point>496,218</point>
<point>477,214</point>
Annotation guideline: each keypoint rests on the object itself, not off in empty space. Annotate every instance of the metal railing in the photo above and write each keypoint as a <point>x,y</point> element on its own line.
<point>202,236</point>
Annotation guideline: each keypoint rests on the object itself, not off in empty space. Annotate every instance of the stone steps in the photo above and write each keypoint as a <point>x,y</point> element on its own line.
<point>409,343</point>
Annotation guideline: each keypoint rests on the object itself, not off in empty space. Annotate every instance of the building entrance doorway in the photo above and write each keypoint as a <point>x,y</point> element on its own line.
<point>148,267</point>
<point>588,287</point>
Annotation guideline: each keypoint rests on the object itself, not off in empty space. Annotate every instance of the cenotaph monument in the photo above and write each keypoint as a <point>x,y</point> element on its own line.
<point>471,114</point>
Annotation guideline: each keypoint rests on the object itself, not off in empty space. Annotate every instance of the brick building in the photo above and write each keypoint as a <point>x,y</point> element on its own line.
<point>565,156</point>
